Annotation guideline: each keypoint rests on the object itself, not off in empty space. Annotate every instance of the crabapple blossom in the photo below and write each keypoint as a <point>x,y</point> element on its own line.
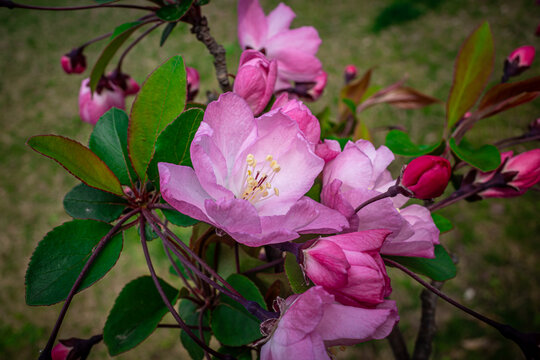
<point>294,49</point>
<point>93,106</point>
<point>61,351</point>
<point>350,267</point>
<point>358,174</point>
<point>427,176</point>
<point>312,321</point>
<point>74,62</point>
<point>255,79</point>
<point>249,176</point>
<point>518,61</point>
<point>193,81</point>
<point>300,113</point>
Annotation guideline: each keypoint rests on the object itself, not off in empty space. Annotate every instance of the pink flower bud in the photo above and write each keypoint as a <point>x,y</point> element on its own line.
<point>328,150</point>
<point>92,107</point>
<point>350,73</point>
<point>296,110</point>
<point>132,87</point>
<point>60,352</point>
<point>320,83</point>
<point>518,61</point>
<point>521,172</point>
<point>74,62</point>
<point>524,56</point>
<point>124,82</point>
<point>255,79</point>
<point>427,176</point>
<point>193,81</point>
<point>350,267</point>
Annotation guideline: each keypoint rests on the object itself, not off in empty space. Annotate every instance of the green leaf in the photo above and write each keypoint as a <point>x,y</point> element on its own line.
<point>342,141</point>
<point>442,223</point>
<point>315,191</point>
<point>84,202</point>
<point>119,36</point>
<point>295,275</point>
<point>350,104</point>
<point>472,70</point>
<point>60,257</point>
<point>227,264</point>
<point>136,313</point>
<point>484,158</point>
<point>239,353</point>
<point>172,145</point>
<point>178,219</point>
<point>246,288</point>
<point>166,32</point>
<point>159,102</point>
<point>80,161</point>
<point>109,142</point>
<point>174,12</point>
<point>233,327</point>
<point>441,268</point>
<point>400,143</point>
<point>188,311</point>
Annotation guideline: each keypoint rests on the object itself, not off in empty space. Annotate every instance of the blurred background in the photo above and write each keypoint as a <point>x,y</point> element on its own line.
<point>496,241</point>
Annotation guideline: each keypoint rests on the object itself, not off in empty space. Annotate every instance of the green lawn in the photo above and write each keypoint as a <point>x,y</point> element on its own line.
<point>496,241</point>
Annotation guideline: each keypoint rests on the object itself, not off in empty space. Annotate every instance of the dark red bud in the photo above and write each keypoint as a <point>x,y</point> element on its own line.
<point>427,176</point>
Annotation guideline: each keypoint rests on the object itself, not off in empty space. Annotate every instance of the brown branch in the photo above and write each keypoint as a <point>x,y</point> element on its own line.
<point>397,343</point>
<point>424,339</point>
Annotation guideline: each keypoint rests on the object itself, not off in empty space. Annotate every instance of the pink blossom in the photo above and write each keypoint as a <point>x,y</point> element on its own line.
<point>60,351</point>
<point>92,107</point>
<point>350,267</point>
<point>192,82</point>
<point>427,176</point>
<point>521,172</point>
<point>300,113</point>
<point>255,79</point>
<point>328,149</point>
<point>317,89</point>
<point>358,174</point>
<point>350,73</point>
<point>312,321</point>
<point>293,49</point>
<point>249,176</point>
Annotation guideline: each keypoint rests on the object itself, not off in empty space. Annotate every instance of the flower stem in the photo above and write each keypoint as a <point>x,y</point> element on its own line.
<point>166,301</point>
<point>392,191</point>
<point>136,41</point>
<point>46,353</point>
<point>12,5</point>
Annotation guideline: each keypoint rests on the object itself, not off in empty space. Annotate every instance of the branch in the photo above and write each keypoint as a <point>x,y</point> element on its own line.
<point>12,5</point>
<point>397,343</point>
<point>46,353</point>
<point>424,339</point>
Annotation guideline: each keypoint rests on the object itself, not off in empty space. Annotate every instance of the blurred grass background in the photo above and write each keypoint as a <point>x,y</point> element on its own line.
<point>496,241</point>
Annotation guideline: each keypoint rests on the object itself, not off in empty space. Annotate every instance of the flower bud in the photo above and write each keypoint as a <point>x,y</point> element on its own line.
<point>427,176</point>
<point>193,81</point>
<point>350,73</point>
<point>93,106</point>
<point>74,62</point>
<point>124,82</point>
<point>350,267</point>
<point>520,172</point>
<point>518,61</point>
<point>255,79</point>
<point>296,110</point>
<point>60,351</point>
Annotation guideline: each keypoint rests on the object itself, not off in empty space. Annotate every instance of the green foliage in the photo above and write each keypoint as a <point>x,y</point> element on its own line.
<point>472,70</point>
<point>84,202</point>
<point>60,257</point>
<point>295,275</point>
<point>232,324</point>
<point>441,268</point>
<point>173,12</point>
<point>400,143</point>
<point>166,32</point>
<point>118,38</point>
<point>442,223</point>
<point>484,158</point>
<point>109,142</point>
<point>190,313</point>
<point>172,145</point>
<point>136,313</point>
<point>160,101</point>
<point>80,161</point>
<point>178,219</point>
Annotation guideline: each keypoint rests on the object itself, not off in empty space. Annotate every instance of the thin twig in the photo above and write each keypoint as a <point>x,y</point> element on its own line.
<point>397,343</point>
<point>46,353</point>
<point>136,41</point>
<point>12,5</point>
<point>264,266</point>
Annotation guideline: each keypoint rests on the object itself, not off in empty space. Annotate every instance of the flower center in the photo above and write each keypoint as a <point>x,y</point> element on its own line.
<point>258,179</point>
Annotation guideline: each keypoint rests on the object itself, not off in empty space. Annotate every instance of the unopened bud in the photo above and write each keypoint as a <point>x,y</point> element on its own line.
<point>427,176</point>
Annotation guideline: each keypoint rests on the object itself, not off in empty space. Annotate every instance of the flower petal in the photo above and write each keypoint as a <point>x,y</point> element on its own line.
<point>279,19</point>
<point>252,24</point>
<point>303,39</point>
<point>235,216</point>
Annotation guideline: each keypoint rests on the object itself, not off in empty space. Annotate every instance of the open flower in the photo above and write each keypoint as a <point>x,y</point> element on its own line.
<point>358,174</point>
<point>300,113</point>
<point>312,321</point>
<point>293,49</point>
<point>350,267</point>
<point>249,177</point>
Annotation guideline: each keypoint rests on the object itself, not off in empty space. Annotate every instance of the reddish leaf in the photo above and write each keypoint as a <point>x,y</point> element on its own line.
<point>405,98</point>
<point>503,92</point>
<point>472,70</point>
